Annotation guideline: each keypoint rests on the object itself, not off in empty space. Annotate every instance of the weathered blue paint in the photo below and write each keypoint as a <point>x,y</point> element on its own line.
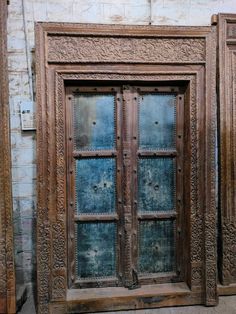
<point>156,246</point>
<point>96,255</point>
<point>156,184</point>
<point>95,185</point>
<point>94,121</point>
<point>157,123</point>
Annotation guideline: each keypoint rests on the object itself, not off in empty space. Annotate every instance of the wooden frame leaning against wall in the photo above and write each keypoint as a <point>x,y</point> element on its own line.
<point>71,54</point>
<point>227,152</point>
<point>7,271</point>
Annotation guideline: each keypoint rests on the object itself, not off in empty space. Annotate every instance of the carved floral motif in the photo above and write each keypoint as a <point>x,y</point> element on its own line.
<point>74,49</point>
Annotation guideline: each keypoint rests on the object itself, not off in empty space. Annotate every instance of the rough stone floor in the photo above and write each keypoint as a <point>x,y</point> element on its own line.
<point>227,305</point>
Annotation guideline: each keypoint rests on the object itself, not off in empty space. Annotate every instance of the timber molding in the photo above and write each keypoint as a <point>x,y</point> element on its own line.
<point>227,140</point>
<point>7,271</point>
<point>70,53</point>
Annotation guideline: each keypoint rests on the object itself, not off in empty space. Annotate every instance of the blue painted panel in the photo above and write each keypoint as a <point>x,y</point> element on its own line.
<point>156,246</point>
<point>94,121</point>
<point>156,184</point>
<point>95,185</point>
<point>96,250</point>
<point>157,121</point>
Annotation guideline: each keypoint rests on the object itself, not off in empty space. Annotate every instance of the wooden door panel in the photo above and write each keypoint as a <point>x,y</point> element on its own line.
<point>94,121</point>
<point>95,186</point>
<point>157,121</point>
<point>96,250</point>
<point>156,247</point>
<point>156,184</point>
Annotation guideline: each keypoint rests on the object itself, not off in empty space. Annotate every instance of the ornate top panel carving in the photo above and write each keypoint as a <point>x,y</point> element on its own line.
<point>231,30</point>
<point>76,49</point>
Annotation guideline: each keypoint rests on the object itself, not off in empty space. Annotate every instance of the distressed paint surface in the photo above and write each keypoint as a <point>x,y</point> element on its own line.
<point>156,246</point>
<point>156,184</point>
<point>96,250</point>
<point>94,122</point>
<point>95,185</point>
<point>157,123</point>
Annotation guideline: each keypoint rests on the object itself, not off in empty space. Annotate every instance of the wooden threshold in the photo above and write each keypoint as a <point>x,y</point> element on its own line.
<point>226,290</point>
<point>119,298</point>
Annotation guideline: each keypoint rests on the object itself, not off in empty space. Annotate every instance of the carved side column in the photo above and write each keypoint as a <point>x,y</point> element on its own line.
<point>7,272</point>
<point>227,179</point>
<point>127,155</point>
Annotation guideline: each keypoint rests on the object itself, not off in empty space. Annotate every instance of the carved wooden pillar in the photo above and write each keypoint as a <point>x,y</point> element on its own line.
<point>7,272</point>
<point>227,179</point>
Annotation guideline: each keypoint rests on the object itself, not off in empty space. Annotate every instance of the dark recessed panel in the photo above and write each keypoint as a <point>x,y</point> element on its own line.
<point>94,121</point>
<point>156,246</point>
<point>157,125</point>
<point>156,184</point>
<point>96,245</point>
<point>95,185</point>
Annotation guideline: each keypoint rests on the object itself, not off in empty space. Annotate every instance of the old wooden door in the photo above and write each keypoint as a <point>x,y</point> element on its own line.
<point>125,185</point>
<point>126,190</point>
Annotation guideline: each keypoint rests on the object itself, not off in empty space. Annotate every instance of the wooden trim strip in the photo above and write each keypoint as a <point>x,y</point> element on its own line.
<point>7,269</point>
<point>157,153</point>
<point>157,215</point>
<point>97,153</point>
<point>97,217</point>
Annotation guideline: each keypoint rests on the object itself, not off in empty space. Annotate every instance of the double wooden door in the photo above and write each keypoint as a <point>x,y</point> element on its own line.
<point>125,185</point>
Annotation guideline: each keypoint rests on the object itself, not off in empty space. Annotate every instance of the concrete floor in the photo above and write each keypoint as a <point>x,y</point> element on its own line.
<point>227,305</point>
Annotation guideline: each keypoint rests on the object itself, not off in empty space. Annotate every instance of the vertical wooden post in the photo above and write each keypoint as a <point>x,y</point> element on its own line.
<point>227,156</point>
<point>7,272</point>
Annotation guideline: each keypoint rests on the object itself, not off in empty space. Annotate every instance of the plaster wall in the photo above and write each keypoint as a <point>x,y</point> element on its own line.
<point>21,18</point>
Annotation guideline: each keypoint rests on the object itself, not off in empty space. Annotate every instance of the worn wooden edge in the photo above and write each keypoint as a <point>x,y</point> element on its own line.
<point>227,151</point>
<point>53,28</point>
<point>210,178</point>
<point>42,222</point>
<point>151,296</point>
<point>226,290</point>
<point>7,270</point>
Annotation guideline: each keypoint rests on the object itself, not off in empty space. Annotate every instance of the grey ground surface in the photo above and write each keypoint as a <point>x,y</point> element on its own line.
<point>227,305</point>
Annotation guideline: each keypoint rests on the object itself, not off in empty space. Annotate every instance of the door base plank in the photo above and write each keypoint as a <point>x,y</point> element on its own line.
<point>119,298</point>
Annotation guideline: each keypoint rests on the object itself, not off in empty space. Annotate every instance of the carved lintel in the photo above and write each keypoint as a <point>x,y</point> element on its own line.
<point>77,49</point>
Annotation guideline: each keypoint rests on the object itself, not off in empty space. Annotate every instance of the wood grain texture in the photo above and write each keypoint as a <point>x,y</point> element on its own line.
<point>7,271</point>
<point>227,139</point>
<point>198,232</point>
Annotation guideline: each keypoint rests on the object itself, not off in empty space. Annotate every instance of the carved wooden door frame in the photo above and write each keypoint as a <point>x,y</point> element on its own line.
<point>7,271</point>
<point>68,53</point>
<point>227,152</point>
